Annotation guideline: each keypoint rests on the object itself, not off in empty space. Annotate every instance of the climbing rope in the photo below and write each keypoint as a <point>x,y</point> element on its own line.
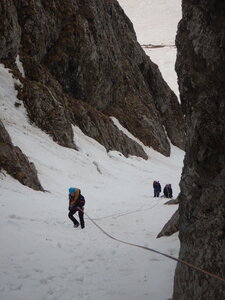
<point>126,213</point>
<point>156,251</point>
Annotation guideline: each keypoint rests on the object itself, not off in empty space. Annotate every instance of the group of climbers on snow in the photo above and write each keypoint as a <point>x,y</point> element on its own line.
<point>77,201</point>
<point>167,191</point>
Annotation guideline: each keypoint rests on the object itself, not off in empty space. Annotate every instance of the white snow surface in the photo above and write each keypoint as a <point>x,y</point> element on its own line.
<point>20,65</point>
<point>155,22</point>
<point>42,257</point>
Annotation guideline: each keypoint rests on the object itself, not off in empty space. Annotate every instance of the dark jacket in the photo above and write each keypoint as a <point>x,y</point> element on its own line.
<point>168,193</point>
<point>157,186</point>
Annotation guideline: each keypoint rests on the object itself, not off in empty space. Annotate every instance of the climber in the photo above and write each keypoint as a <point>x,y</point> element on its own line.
<point>157,188</point>
<point>76,203</point>
<point>168,193</point>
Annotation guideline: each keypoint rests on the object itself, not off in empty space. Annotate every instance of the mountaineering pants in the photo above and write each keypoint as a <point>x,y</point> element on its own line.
<point>72,211</point>
<point>156,193</point>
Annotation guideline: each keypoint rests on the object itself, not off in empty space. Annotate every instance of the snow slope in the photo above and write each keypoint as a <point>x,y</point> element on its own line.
<point>155,22</point>
<point>42,257</point>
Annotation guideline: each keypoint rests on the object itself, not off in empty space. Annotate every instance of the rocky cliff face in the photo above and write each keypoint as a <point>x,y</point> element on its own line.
<point>82,65</point>
<point>15,162</point>
<point>201,74</point>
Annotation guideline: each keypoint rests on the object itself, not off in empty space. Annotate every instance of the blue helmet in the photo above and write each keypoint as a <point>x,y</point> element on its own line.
<point>72,190</point>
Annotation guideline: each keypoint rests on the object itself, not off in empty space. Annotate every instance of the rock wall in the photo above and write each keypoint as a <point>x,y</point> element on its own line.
<point>97,125</point>
<point>87,51</point>
<point>15,162</point>
<point>171,226</point>
<point>201,75</point>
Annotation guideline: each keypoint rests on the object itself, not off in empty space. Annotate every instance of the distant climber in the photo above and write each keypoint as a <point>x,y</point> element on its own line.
<point>157,188</point>
<point>167,191</point>
<point>76,203</point>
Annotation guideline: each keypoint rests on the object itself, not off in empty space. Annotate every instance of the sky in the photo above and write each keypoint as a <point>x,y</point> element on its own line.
<point>42,256</point>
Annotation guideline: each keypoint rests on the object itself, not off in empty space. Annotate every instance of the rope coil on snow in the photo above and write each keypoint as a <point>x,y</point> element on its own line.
<point>156,251</point>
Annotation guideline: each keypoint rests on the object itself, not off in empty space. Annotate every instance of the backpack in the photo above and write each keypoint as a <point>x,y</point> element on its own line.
<point>81,200</point>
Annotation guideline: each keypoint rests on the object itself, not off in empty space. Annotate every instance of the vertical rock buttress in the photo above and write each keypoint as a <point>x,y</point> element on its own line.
<point>201,76</point>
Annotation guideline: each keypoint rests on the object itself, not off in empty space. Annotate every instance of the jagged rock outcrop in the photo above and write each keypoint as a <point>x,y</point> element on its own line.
<point>87,50</point>
<point>171,226</point>
<point>172,201</point>
<point>47,105</point>
<point>16,163</point>
<point>95,124</point>
<point>201,76</point>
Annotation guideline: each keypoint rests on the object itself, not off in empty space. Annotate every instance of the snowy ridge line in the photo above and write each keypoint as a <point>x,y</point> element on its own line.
<point>126,213</point>
<point>156,251</point>
<point>158,46</point>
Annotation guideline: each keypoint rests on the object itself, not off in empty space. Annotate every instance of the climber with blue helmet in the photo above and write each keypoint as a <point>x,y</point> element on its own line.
<point>76,203</point>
